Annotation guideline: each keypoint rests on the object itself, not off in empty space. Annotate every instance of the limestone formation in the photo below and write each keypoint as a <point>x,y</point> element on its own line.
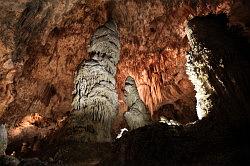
<point>96,100</point>
<point>219,60</point>
<point>198,67</point>
<point>3,139</point>
<point>43,42</point>
<point>137,115</point>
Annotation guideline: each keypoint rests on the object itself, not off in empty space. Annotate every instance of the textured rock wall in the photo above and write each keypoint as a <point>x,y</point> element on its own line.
<point>138,114</point>
<point>220,138</point>
<point>198,69</point>
<point>10,12</point>
<point>154,31</point>
<point>43,42</point>
<point>96,99</point>
<point>216,66</point>
<point>46,41</point>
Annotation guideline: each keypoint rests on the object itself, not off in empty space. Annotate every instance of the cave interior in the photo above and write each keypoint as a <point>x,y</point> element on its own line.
<point>124,82</point>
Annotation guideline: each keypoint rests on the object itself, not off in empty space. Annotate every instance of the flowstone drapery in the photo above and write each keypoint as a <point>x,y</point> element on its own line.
<point>96,100</point>
<point>137,114</point>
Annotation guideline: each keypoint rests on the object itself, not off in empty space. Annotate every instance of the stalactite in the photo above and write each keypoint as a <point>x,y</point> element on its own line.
<point>138,114</point>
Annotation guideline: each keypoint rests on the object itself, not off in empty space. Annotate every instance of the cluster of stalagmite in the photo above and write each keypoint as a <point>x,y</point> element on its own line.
<point>96,100</point>
<point>138,114</point>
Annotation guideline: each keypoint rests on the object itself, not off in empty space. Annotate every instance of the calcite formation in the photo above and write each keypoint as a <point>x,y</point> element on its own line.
<point>96,99</point>
<point>42,44</point>
<point>215,65</point>
<point>198,68</point>
<point>138,114</point>
<point>219,58</point>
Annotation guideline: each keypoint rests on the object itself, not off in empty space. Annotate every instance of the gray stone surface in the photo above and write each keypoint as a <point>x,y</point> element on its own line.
<point>96,99</point>
<point>138,114</point>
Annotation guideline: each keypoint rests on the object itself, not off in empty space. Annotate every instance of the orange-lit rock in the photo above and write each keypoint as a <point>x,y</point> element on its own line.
<point>42,43</point>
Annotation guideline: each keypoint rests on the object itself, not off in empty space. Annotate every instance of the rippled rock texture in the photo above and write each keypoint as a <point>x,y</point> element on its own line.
<point>219,57</point>
<point>42,44</point>
<point>96,99</point>
<point>138,114</point>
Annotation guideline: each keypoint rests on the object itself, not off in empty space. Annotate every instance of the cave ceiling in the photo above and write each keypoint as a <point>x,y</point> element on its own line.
<point>43,42</point>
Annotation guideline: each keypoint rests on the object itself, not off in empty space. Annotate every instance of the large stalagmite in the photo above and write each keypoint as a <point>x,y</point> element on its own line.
<point>96,100</point>
<point>138,114</point>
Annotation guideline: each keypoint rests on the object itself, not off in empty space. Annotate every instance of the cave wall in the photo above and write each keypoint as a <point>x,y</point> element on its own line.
<point>43,42</point>
<point>49,41</point>
<point>219,138</point>
<point>154,31</point>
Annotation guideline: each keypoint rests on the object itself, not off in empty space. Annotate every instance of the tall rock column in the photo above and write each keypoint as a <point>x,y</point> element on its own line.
<point>137,115</point>
<point>218,65</point>
<point>198,66</point>
<point>96,99</point>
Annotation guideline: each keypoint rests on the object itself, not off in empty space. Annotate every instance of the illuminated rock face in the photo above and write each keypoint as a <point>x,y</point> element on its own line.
<point>41,45</point>
<point>43,42</point>
<point>219,63</point>
<point>96,100</point>
<point>218,59</point>
<point>198,68</point>
<point>138,114</point>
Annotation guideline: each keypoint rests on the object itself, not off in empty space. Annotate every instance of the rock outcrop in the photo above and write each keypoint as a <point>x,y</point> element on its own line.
<point>138,114</point>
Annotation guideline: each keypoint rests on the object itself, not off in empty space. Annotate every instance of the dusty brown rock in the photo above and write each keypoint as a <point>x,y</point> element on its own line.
<point>47,48</point>
<point>220,138</point>
<point>43,42</point>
